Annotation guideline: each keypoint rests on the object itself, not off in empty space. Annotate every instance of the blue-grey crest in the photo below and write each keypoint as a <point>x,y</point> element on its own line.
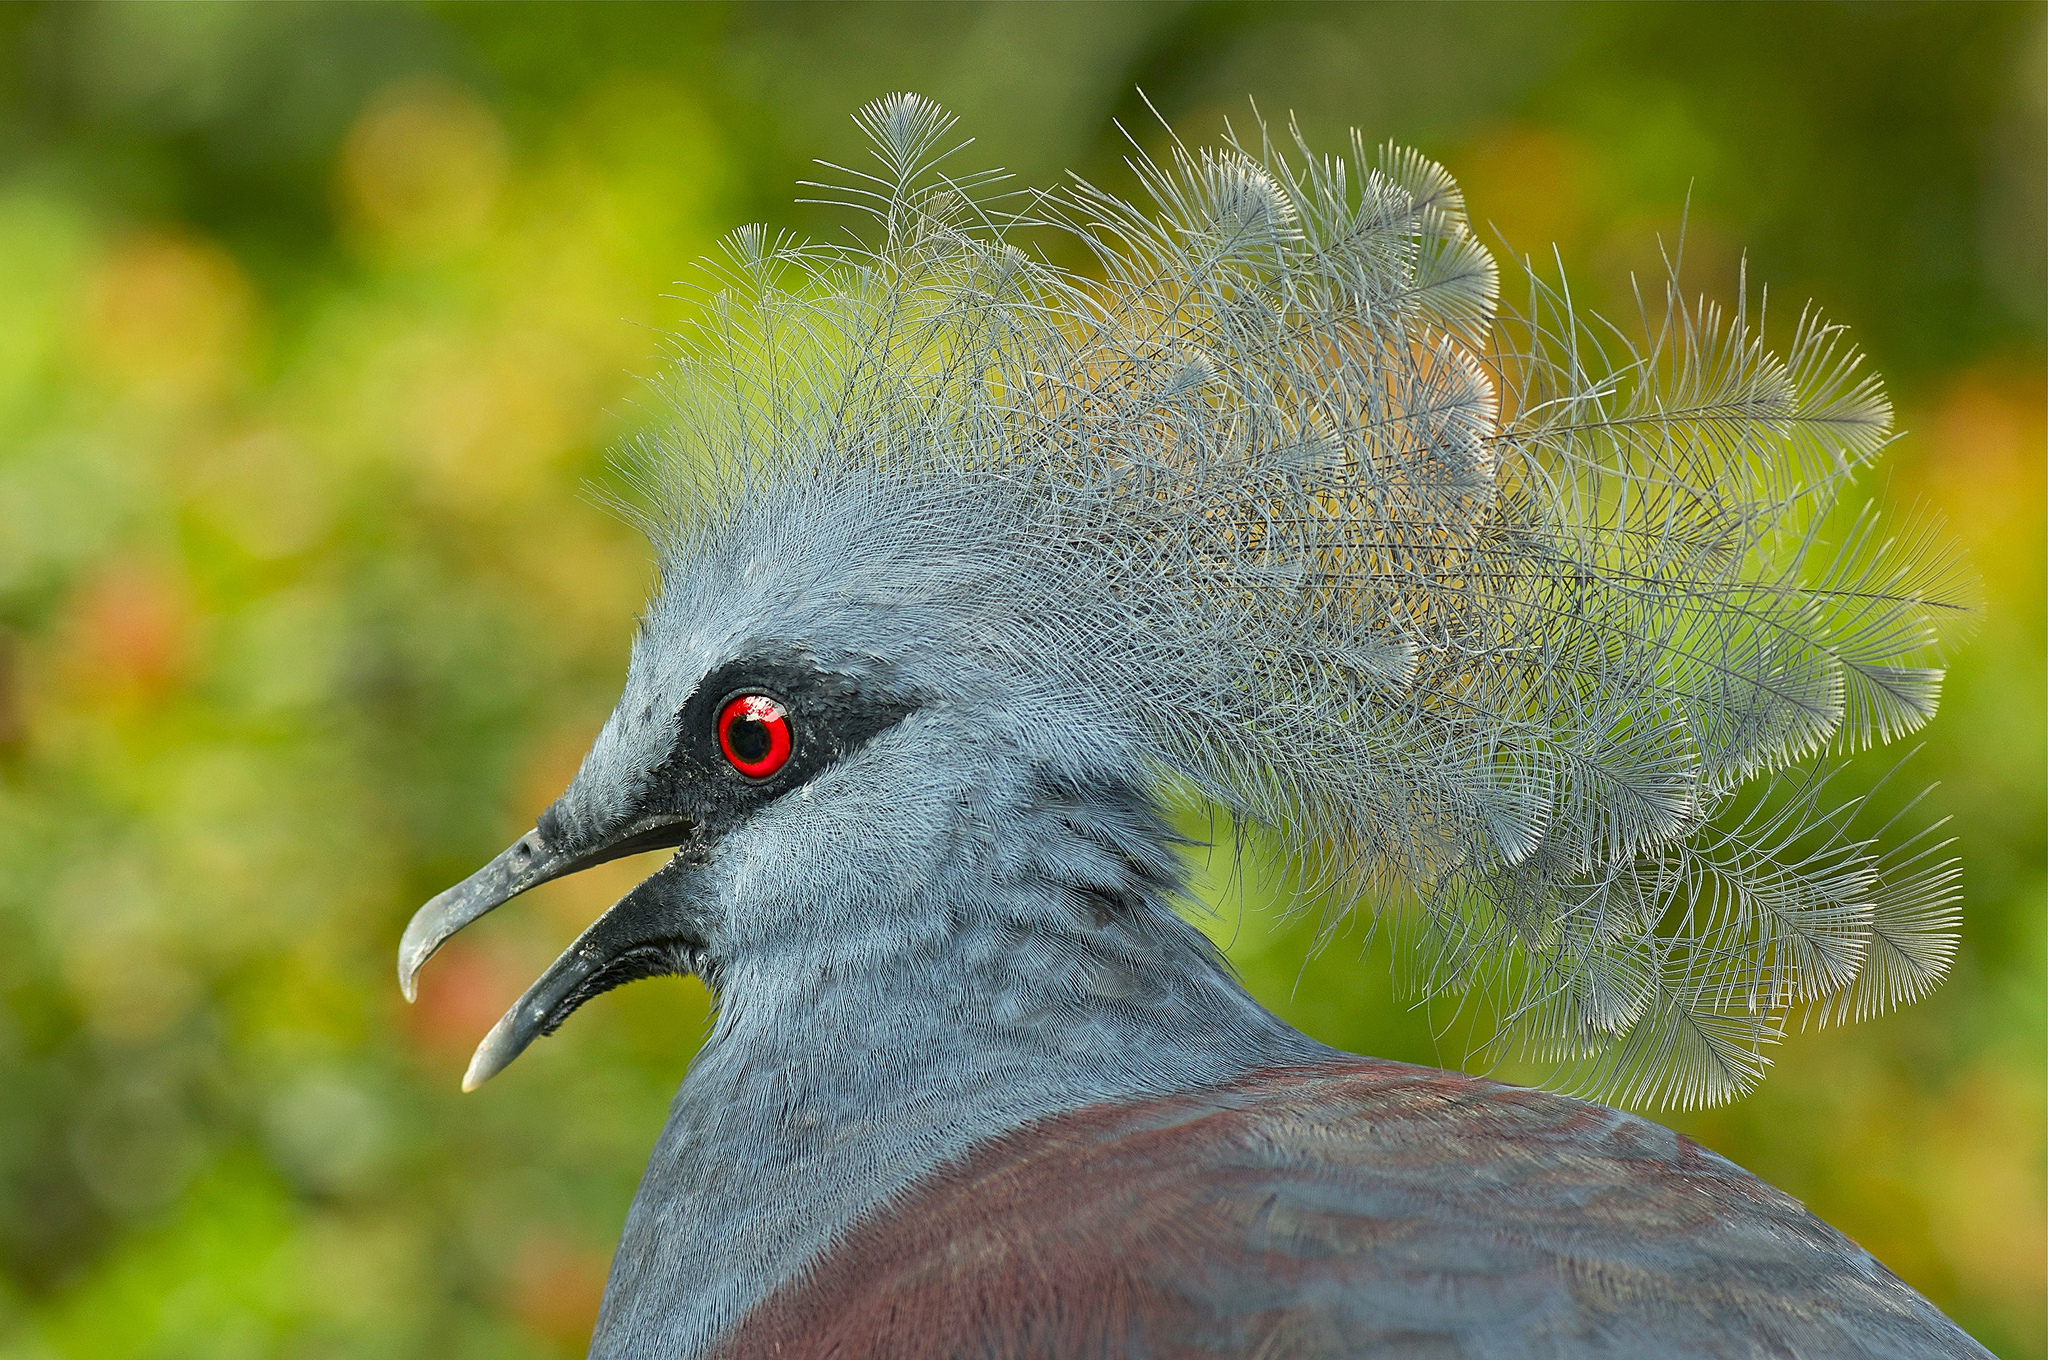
<point>1532,634</point>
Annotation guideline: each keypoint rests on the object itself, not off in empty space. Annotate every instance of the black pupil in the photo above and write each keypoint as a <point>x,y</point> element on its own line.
<point>748,737</point>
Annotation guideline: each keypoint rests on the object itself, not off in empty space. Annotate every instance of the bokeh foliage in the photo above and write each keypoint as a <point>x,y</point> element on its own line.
<point>314,320</point>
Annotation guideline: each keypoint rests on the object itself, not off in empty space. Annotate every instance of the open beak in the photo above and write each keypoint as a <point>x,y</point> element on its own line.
<point>527,863</point>
<point>631,939</point>
<point>641,935</point>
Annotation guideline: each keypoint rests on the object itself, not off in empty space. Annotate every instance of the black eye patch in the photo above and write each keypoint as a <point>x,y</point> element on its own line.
<point>759,725</point>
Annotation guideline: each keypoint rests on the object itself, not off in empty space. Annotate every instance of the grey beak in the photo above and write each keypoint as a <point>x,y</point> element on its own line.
<point>641,935</point>
<point>526,863</point>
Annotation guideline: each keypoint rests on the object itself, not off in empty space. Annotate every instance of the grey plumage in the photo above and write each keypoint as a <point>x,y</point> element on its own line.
<point>1490,616</point>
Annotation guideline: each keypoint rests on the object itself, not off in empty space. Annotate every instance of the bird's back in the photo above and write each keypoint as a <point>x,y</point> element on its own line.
<point>1361,1208</point>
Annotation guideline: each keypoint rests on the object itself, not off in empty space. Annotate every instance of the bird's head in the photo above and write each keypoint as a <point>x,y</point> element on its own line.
<point>1274,510</point>
<point>811,722</point>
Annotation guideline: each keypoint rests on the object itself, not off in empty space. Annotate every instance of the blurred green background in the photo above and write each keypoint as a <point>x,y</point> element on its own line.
<point>313,322</point>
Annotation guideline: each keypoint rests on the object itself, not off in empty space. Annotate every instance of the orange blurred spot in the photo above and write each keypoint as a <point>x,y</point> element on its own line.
<point>1530,182</point>
<point>131,633</point>
<point>554,1289</point>
<point>1976,458</point>
<point>169,318</point>
<point>1983,465</point>
<point>421,169</point>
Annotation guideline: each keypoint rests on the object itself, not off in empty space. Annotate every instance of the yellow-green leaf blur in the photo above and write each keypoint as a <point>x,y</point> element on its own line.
<point>316,325</point>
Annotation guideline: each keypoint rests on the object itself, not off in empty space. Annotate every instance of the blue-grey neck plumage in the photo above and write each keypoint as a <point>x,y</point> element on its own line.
<point>1006,993</point>
<point>975,569</point>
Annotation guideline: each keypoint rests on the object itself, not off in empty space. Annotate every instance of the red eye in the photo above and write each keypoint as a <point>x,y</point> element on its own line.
<point>753,731</point>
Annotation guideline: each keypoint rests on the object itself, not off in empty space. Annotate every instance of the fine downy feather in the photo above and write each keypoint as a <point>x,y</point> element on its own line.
<point>1487,615</point>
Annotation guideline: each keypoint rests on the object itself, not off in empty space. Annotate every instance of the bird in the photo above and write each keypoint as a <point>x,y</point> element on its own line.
<point>1012,537</point>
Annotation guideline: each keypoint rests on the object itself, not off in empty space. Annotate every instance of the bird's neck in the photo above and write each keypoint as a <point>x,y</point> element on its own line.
<point>825,1090</point>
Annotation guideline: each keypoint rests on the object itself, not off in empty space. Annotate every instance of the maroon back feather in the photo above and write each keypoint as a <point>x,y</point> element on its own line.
<point>1362,1208</point>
